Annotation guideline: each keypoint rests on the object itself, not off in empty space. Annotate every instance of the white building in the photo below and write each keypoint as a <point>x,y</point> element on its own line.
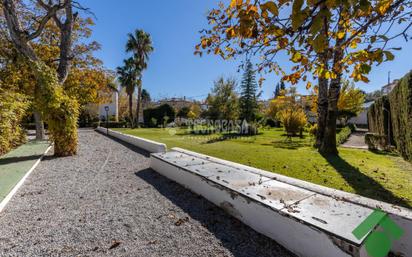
<point>100,109</point>
<point>362,118</point>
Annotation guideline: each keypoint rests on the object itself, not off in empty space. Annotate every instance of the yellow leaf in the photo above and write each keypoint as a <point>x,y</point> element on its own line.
<point>271,6</point>
<point>353,45</point>
<point>235,3</point>
<point>296,57</point>
<point>308,85</point>
<point>341,34</point>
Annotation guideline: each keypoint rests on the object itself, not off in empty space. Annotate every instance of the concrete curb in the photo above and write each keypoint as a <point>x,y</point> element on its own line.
<point>10,195</point>
<point>353,198</point>
<point>299,232</point>
<point>145,144</point>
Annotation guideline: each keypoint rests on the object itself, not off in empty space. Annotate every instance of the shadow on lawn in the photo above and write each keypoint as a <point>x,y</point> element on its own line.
<point>287,144</point>
<point>363,184</point>
<point>228,136</point>
<point>239,239</point>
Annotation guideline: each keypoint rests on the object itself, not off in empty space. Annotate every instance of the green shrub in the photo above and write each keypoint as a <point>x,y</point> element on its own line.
<point>313,129</point>
<point>250,129</point>
<point>378,117</point>
<point>159,114</point>
<point>13,107</point>
<point>397,107</point>
<point>202,130</point>
<point>401,116</point>
<point>343,135</point>
<point>375,141</point>
<point>293,120</point>
<point>59,110</point>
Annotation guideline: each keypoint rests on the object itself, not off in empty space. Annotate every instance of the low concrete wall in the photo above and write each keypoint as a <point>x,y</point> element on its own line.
<point>145,144</point>
<point>338,212</point>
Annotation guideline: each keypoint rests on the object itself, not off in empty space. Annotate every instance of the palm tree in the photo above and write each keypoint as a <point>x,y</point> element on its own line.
<point>140,44</point>
<point>127,78</point>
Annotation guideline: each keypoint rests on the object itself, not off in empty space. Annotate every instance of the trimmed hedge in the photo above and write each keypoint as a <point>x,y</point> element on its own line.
<point>13,107</point>
<point>378,117</point>
<point>399,102</point>
<point>343,135</point>
<point>401,116</point>
<point>153,117</point>
<point>375,141</point>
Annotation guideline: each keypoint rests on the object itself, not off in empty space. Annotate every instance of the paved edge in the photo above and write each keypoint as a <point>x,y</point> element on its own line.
<point>142,143</point>
<point>10,195</point>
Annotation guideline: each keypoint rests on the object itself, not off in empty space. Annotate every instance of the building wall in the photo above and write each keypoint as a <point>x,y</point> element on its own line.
<point>361,119</point>
<point>99,109</point>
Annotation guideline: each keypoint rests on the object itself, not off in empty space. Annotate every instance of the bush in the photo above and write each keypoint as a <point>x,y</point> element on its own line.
<point>161,115</point>
<point>313,130</point>
<point>202,130</point>
<point>378,117</point>
<point>250,129</point>
<point>399,104</point>
<point>401,116</point>
<point>13,107</point>
<point>343,135</point>
<point>183,112</point>
<point>375,141</point>
<point>293,120</point>
<point>272,123</point>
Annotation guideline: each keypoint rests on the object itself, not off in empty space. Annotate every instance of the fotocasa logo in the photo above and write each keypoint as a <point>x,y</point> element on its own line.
<point>379,242</point>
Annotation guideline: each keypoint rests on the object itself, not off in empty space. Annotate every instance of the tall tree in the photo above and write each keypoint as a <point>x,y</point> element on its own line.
<point>59,110</point>
<point>140,44</point>
<point>223,101</point>
<point>248,96</point>
<point>323,38</point>
<point>127,75</point>
<point>277,91</point>
<point>146,99</point>
<point>282,85</point>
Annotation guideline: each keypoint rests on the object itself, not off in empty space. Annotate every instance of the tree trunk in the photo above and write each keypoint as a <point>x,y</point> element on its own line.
<point>131,110</point>
<point>138,104</point>
<point>40,134</point>
<point>329,141</point>
<point>323,85</point>
<point>322,110</point>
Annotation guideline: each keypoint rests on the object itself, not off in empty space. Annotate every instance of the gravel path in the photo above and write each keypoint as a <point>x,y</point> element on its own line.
<point>107,202</point>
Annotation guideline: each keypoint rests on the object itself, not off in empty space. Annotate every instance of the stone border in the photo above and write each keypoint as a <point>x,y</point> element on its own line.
<point>10,195</point>
<point>349,197</point>
<point>145,144</point>
<point>297,235</point>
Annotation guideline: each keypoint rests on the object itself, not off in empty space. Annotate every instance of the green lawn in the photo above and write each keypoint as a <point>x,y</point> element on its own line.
<point>376,175</point>
<point>15,164</point>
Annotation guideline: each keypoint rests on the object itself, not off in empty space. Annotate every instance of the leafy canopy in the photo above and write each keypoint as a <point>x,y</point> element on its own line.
<point>308,31</point>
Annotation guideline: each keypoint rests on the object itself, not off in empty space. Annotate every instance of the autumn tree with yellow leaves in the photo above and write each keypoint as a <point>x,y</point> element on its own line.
<point>324,39</point>
<point>48,58</point>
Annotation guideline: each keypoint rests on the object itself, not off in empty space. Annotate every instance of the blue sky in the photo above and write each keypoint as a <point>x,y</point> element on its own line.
<point>173,70</point>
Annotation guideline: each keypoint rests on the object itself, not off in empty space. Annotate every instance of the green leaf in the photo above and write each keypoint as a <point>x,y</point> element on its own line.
<point>298,16</point>
<point>319,43</point>
<point>365,68</point>
<point>389,56</point>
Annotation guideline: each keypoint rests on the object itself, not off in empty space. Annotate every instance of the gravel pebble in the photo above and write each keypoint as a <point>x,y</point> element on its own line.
<point>105,201</point>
